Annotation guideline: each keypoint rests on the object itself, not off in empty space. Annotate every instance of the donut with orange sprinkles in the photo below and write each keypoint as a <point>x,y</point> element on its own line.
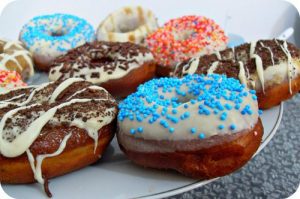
<point>10,80</point>
<point>183,38</point>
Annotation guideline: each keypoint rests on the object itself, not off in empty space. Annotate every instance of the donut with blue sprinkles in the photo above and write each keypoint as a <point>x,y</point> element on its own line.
<point>201,126</point>
<point>50,36</point>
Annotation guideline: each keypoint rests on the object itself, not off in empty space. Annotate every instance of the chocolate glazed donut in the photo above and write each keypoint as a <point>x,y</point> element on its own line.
<point>118,67</point>
<point>53,129</point>
<point>202,127</point>
<point>271,67</point>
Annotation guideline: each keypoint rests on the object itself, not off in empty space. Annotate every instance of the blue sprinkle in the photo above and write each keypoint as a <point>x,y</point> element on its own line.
<point>254,97</point>
<point>174,111</point>
<point>221,127</point>
<point>186,114</point>
<point>185,106</point>
<point>171,130</point>
<point>140,129</point>
<point>193,130</point>
<point>223,116</point>
<point>228,106</point>
<point>237,106</point>
<point>232,127</point>
<point>132,131</point>
<point>252,91</point>
<point>260,112</point>
<point>201,135</point>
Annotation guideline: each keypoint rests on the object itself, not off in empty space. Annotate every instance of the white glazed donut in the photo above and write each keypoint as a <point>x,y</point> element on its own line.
<point>131,24</point>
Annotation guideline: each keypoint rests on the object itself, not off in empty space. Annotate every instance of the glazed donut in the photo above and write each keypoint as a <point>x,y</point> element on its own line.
<point>118,67</point>
<point>53,129</point>
<point>183,38</point>
<point>131,24</point>
<point>271,67</point>
<point>13,56</point>
<point>202,127</point>
<point>10,80</point>
<point>50,36</point>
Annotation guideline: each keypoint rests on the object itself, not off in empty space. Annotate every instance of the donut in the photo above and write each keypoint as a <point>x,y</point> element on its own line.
<point>10,80</point>
<point>183,38</point>
<point>270,67</point>
<point>53,129</point>
<point>128,24</point>
<point>201,126</point>
<point>119,67</point>
<point>50,36</point>
<point>14,57</point>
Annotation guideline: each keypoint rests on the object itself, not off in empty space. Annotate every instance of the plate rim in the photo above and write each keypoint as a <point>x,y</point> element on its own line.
<point>200,183</point>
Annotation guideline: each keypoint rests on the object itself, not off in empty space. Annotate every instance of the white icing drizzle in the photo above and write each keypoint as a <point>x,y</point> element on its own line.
<point>242,74</point>
<point>42,86</point>
<point>37,168</point>
<point>15,89</point>
<point>17,149</point>
<point>62,87</point>
<point>26,138</point>
<point>19,50</point>
<point>127,24</point>
<point>269,49</point>
<point>217,53</point>
<point>213,67</point>
<point>252,48</point>
<point>233,51</point>
<point>191,67</point>
<point>259,70</point>
<point>84,89</point>
<point>258,63</point>
<point>263,78</point>
<point>290,67</point>
<point>14,98</point>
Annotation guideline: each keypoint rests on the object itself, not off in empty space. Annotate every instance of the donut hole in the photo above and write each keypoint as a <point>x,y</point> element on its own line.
<point>183,35</point>
<point>184,100</point>
<point>58,33</point>
<point>128,25</point>
<point>125,24</point>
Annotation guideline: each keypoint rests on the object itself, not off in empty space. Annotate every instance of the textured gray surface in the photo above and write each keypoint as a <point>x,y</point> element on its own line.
<point>273,173</point>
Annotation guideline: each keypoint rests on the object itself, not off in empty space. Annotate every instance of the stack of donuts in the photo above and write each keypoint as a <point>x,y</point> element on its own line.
<point>200,118</point>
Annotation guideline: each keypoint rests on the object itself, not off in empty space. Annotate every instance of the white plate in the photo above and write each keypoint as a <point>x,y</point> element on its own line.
<point>114,176</point>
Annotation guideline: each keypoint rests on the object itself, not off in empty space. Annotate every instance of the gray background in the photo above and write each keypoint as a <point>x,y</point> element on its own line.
<point>273,173</point>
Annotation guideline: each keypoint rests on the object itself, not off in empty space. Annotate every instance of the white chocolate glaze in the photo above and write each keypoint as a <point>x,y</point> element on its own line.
<point>131,24</point>
<point>290,67</point>
<point>242,74</point>
<point>260,70</point>
<point>62,87</point>
<point>213,67</point>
